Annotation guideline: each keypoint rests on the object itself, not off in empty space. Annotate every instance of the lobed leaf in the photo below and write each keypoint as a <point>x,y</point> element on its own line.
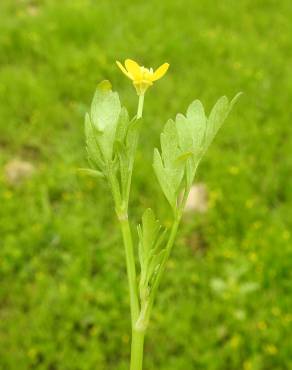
<point>183,144</point>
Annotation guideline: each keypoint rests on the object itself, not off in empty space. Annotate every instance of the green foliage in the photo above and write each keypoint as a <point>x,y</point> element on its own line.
<point>127,140</point>
<point>151,254</point>
<point>169,170</point>
<point>101,125</point>
<point>111,140</point>
<point>90,172</point>
<point>183,143</point>
<point>217,116</point>
<point>93,149</point>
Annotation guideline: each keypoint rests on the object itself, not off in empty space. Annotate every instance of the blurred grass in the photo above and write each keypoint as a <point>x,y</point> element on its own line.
<point>226,299</point>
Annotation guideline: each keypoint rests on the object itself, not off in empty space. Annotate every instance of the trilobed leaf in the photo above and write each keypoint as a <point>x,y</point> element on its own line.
<point>184,142</point>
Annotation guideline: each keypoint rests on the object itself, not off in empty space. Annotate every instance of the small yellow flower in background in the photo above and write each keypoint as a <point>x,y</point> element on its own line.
<point>247,365</point>
<point>287,319</point>
<point>271,349</point>
<point>276,311</point>
<point>233,170</point>
<point>286,235</point>
<point>142,77</point>
<point>235,341</point>
<point>32,353</point>
<point>262,325</point>
<point>253,257</point>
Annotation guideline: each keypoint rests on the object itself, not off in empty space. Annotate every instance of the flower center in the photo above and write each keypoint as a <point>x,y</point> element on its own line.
<point>146,74</point>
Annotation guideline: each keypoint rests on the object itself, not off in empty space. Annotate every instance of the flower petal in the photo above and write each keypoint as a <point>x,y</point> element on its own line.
<point>133,69</point>
<point>160,72</point>
<point>123,69</point>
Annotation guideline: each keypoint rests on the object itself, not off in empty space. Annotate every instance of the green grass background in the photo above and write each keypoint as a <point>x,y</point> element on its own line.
<point>225,301</point>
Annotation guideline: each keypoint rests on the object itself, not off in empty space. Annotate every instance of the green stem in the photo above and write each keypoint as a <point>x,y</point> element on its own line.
<point>131,268</point>
<point>137,348</point>
<point>137,336</point>
<point>122,213</point>
<point>140,106</point>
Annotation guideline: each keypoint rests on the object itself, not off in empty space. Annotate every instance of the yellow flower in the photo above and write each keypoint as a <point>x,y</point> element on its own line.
<point>142,77</point>
<point>271,349</point>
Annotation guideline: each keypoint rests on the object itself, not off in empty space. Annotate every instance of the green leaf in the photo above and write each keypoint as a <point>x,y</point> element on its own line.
<point>234,100</point>
<point>217,116</point>
<point>170,151</point>
<point>191,167</point>
<point>168,169</point>
<point>150,255</point>
<point>93,151</point>
<point>90,172</point>
<point>191,128</point>
<point>123,165</point>
<point>180,146</point>
<point>132,136</point>
<point>125,147</point>
<point>169,144</point>
<point>183,157</point>
<point>183,144</point>
<point>151,228</point>
<point>153,267</point>
<point>104,115</point>
<point>122,126</point>
<point>163,178</point>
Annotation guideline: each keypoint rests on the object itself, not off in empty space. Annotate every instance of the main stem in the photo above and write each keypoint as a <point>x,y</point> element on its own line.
<point>131,269</point>
<point>137,349</point>
<point>137,345</point>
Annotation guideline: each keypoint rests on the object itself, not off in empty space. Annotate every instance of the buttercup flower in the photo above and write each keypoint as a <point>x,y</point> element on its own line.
<point>142,77</point>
